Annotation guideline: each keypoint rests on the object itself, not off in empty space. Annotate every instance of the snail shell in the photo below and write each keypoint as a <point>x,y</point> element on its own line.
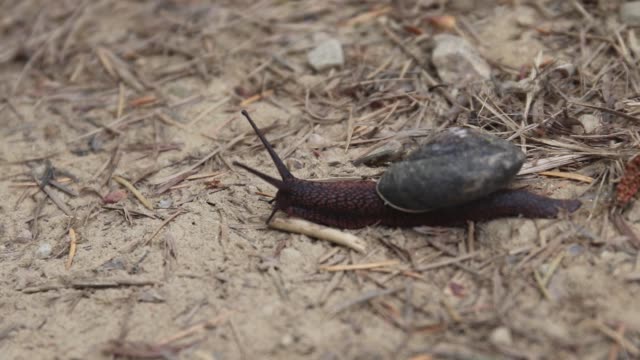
<point>456,166</point>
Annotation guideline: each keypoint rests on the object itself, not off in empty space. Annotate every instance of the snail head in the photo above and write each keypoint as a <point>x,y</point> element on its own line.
<point>284,185</point>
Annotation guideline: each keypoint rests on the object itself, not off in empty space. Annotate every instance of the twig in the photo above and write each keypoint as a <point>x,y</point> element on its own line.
<point>447,262</point>
<point>320,232</point>
<point>164,223</point>
<point>200,327</point>
<point>44,186</point>
<point>609,111</point>
<point>615,336</point>
<point>88,284</point>
<point>120,180</point>
<point>72,248</point>
<point>250,100</point>
<point>360,266</point>
<point>365,297</point>
<point>541,285</point>
<point>566,175</point>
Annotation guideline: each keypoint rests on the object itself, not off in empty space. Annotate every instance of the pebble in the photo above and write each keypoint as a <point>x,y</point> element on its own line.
<point>44,251</point>
<point>590,123</point>
<point>326,55</point>
<point>501,336</point>
<point>457,61</point>
<point>458,165</point>
<point>630,13</point>
<point>318,141</point>
<point>24,236</point>
<point>165,203</point>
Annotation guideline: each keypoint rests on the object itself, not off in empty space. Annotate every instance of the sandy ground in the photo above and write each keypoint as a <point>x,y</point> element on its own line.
<point>145,90</point>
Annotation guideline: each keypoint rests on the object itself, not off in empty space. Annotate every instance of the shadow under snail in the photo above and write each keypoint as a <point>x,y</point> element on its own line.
<point>459,176</point>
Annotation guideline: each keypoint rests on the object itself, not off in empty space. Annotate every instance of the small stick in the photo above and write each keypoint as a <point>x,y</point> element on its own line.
<point>447,262</point>
<point>300,226</point>
<point>120,109</point>
<point>566,175</point>
<point>471,237</point>
<point>615,348</point>
<point>164,223</point>
<point>217,320</point>
<point>72,247</point>
<point>367,16</point>
<point>360,266</point>
<point>208,111</point>
<point>56,200</point>
<point>333,283</point>
<point>607,110</point>
<point>88,284</point>
<point>257,97</point>
<point>365,297</point>
<point>328,255</point>
<point>204,176</point>
<point>552,268</point>
<point>617,337</point>
<point>541,285</point>
<point>134,191</point>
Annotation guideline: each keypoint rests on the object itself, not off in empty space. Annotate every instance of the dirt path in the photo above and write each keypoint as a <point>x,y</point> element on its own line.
<point>98,94</point>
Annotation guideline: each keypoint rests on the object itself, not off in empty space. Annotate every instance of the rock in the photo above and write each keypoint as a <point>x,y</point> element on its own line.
<point>501,336</point>
<point>287,340</point>
<point>44,251</point>
<point>318,141</point>
<point>165,203</point>
<point>114,196</point>
<point>457,61</point>
<point>630,13</point>
<point>458,165</point>
<point>327,54</point>
<point>24,236</point>
<point>590,123</point>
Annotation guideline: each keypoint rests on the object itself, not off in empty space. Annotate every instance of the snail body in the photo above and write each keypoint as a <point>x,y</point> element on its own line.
<point>356,204</point>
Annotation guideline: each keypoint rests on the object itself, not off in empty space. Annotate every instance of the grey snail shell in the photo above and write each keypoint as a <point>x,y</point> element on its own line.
<point>456,166</point>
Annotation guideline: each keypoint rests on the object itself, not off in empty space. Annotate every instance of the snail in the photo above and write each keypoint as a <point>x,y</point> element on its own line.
<point>474,190</point>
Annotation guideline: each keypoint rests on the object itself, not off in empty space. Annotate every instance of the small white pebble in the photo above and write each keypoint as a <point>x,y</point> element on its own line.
<point>501,336</point>
<point>327,54</point>
<point>317,140</point>
<point>286,340</point>
<point>44,251</point>
<point>589,122</point>
<point>165,203</point>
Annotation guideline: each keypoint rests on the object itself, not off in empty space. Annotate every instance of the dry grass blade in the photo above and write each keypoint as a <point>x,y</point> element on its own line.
<point>72,248</point>
<point>615,336</point>
<point>122,181</point>
<point>447,262</point>
<point>164,223</point>
<point>364,298</point>
<point>364,266</point>
<point>566,175</point>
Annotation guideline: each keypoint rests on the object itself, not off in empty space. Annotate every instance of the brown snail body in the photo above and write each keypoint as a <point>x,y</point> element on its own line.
<point>356,204</point>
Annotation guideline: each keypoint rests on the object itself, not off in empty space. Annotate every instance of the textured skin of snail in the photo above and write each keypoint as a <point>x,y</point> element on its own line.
<point>356,204</point>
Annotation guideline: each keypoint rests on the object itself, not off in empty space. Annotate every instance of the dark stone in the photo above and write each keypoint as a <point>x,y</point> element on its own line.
<point>457,166</point>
